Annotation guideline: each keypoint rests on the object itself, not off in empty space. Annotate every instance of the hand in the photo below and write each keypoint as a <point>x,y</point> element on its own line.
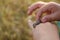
<point>44,31</point>
<point>35,6</point>
<point>52,9</point>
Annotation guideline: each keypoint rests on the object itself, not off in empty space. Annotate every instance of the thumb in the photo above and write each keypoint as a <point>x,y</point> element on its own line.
<point>49,18</point>
<point>30,22</point>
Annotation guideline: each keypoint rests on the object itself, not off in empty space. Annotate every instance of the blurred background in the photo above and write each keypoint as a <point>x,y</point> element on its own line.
<point>13,14</point>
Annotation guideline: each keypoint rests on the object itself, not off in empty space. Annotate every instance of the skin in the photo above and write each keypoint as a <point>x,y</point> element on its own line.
<point>44,31</point>
<point>47,30</point>
<point>52,9</point>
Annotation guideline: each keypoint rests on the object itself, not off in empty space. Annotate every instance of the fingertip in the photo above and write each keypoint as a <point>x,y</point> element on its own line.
<point>29,12</point>
<point>44,19</point>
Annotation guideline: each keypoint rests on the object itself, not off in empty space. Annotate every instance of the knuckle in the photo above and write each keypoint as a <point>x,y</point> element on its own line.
<point>52,3</point>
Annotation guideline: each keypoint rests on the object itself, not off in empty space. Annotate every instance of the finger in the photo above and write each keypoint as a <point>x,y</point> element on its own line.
<point>30,23</point>
<point>34,7</point>
<point>41,11</point>
<point>51,17</point>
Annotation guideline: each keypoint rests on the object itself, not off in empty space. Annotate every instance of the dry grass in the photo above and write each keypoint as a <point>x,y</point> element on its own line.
<point>13,24</point>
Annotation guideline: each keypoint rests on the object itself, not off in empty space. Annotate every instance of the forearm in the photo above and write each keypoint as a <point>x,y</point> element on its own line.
<point>46,31</point>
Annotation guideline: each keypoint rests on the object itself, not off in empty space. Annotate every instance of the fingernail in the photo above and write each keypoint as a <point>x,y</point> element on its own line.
<point>44,20</point>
